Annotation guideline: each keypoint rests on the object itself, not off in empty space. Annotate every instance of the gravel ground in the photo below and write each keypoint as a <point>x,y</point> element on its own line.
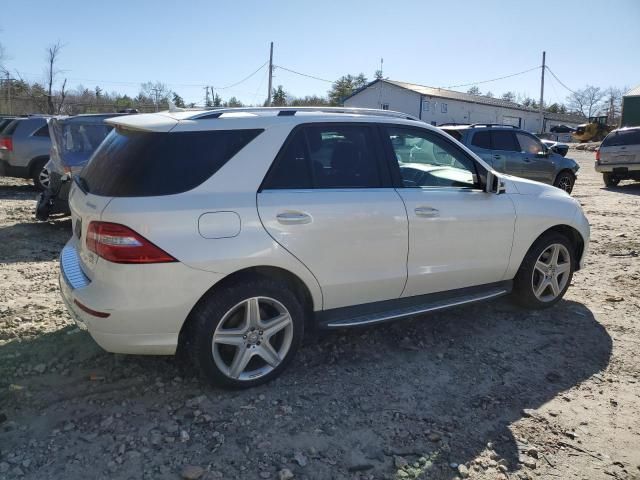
<point>486,391</point>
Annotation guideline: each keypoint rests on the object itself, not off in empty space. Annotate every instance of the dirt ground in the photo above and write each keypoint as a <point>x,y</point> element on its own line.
<point>487,391</point>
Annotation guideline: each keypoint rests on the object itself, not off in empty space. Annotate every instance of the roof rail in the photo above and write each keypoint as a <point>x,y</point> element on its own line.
<point>492,125</point>
<point>290,111</point>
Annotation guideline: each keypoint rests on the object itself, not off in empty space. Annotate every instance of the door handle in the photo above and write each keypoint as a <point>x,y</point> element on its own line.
<point>527,160</point>
<point>497,157</point>
<point>427,212</point>
<point>293,218</point>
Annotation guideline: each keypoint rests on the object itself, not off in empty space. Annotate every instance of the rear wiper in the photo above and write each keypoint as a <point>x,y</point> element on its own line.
<point>82,183</point>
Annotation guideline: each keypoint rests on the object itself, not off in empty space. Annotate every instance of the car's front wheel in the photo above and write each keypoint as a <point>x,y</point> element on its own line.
<point>545,272</point>
<point>610,180</point>
<point>246,334</point>
<point>565,181</point>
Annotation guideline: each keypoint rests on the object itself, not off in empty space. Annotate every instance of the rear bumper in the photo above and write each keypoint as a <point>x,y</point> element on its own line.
<point>146,304</point>
<point>8,170</point>
<point>622,167</point>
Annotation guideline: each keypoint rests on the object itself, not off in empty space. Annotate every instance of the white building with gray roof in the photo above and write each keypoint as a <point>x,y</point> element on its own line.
<point>439,106</point>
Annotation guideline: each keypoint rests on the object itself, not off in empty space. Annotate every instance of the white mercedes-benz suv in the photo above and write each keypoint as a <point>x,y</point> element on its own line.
<point>228,233</point>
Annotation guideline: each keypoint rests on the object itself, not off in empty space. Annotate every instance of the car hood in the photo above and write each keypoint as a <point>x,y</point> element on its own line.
<point>525,186</point>
<point>564,162</point>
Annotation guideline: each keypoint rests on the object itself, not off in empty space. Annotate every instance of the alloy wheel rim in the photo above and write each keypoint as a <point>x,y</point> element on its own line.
<point>252,338</point>
<point>43,178</point>
<point>565,183</point>
<point>551,272</point>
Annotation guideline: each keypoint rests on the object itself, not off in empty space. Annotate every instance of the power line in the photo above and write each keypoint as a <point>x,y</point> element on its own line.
<point>494,79</point>
<point>303,74</point>
<point>560,81</point>
<point>125,83</point>
<point>244,79</point>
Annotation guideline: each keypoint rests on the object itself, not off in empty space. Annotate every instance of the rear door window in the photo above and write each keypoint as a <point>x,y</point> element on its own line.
<point>138,164</point>
<point>327,156</point>
<point>42,131</point>
<point>504,140</point>
<point>621,138</point>
<point>482,140</point>
<point>291,169</point>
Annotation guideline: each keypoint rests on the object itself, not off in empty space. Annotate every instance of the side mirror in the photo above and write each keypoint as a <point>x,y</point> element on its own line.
<point>494,184</point>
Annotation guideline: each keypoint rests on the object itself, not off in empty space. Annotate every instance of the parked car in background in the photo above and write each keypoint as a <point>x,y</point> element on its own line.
<point>618,157</point>
<point>557,147</point>
<point>229,232</point>
<point>513,151</point>
<point>24,149</point>
<point>73,141</point>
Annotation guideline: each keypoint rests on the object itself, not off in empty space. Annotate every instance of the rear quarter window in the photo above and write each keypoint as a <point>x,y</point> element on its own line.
<point>11,128</point>
<point>139,164</point>
<point>622,137</point>
<point>454,133</point>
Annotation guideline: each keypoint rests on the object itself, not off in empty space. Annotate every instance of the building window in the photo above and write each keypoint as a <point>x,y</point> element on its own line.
<point>443,107</point>
<point>425,105</point>
<point>385,106</point>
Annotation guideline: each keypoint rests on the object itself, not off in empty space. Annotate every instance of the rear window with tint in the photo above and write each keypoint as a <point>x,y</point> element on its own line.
<point>139,164</point>
<point>622,137</point>
<point>11,128</point>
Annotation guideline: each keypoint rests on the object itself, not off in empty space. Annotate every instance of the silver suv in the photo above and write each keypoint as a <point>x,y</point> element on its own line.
<point>24,150</point>
<point>516,152</point>
<point>618,157</point>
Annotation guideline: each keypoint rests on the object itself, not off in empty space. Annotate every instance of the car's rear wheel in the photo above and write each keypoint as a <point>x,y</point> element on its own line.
<point>40,175</point>
<point>565,181</point>
<point>545,273</point>
<point>246,334</point>
<point>610,180</point>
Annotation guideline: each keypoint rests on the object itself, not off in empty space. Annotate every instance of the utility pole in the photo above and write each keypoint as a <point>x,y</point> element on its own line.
<point>9,92</point>
<point>544,55</point>
<point>156,92</point>
<point>270,75</point>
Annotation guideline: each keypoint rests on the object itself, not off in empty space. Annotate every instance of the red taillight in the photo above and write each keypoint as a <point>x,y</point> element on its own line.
<point>120,244</point>
<point>6,143</point>
<point>597,154</point>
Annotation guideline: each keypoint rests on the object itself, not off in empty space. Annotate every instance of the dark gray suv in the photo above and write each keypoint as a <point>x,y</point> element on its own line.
<point>24,150</point>
<point>516,152</point>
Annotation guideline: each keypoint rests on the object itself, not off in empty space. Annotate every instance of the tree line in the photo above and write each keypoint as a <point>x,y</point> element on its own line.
<point>53,96</point>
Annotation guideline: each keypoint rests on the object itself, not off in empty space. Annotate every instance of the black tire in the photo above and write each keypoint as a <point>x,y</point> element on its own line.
<point>610,180</point>
<point>523,292</point>
<point>211,310</point>
<point>565,181</point>
<point>36,169</point>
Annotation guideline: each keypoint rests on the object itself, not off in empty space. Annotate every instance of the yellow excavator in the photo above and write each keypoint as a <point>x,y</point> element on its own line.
<point>594,131</point>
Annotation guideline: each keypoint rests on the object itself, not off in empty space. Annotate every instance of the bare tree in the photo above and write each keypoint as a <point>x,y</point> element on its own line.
<point>3,57</point>
<point>613,101</point>
<point>587,101</point>
<point>157,92</point>
<point>63,95</point>
<point>53,54</point>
